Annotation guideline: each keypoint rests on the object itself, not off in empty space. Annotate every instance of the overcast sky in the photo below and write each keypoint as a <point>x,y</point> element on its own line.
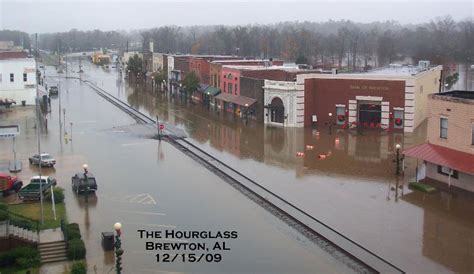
<point>53,16</point>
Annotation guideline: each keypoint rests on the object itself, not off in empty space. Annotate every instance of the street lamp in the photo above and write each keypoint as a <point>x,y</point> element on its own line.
<point>118,248</point>
<point>398,146</point>
<point>330,122</point>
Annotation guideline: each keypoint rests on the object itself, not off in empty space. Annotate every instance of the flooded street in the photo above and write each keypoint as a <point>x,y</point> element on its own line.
<point>149,185</point>
<point>354,189</point>
<point>345,179</point>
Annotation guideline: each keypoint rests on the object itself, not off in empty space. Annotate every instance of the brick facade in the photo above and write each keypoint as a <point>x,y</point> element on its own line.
<point>322,95</point>
<point>460,114</point>
<point>253,88</point>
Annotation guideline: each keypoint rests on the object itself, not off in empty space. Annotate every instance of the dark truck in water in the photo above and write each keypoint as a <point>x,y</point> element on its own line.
<point>9,183</point>
<point>32,190</point>
<point>84,182</point>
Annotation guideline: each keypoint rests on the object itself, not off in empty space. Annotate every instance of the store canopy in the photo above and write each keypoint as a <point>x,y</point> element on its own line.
<point>238,100</point>
<point>203,87</point>
<point>443,156</point>
<point>212,91</point>
<point>226,97</point>
<point>244,101</point>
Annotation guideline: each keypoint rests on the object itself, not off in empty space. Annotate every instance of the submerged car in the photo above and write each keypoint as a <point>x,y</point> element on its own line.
<point>84,182</point>
<point>46,160</point>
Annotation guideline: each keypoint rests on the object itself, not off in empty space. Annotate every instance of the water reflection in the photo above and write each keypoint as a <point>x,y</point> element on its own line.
<point>447,235</point>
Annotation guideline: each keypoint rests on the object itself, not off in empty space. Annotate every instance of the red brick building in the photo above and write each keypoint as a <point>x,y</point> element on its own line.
<point>393,97</point>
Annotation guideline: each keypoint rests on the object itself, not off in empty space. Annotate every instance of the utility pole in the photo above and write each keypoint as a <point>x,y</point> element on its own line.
<point>38,132</point>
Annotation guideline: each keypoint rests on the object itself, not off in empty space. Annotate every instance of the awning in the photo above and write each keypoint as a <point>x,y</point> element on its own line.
<point>244,101</point>
<point>239,100</point>
<point>212,91</point>
<point>203,87</point>
<point>443,156</point>
<point>226,97</point>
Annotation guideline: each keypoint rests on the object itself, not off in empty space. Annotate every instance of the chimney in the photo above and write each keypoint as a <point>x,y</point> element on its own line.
<point>151,46</point>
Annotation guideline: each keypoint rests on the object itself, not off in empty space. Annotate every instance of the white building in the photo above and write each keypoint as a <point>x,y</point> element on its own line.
<point>17,77</point>
<point>170,65</point>
<point>284,104</point>
<point>130,54</point>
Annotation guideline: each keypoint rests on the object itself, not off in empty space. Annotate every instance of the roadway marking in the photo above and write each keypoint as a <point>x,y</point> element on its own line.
<point>137,198</point>
<point>143,213</point>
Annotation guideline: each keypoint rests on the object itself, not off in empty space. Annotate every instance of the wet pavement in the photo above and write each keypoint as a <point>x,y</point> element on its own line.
<point>149,185</point>
<point>354,189</point>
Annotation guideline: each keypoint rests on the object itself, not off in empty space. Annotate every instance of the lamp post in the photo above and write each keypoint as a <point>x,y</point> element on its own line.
<point>398,146</point>
<point>118,248</point>
<point>153,84</point>
<point>246,113</point>
<point>330,122</point>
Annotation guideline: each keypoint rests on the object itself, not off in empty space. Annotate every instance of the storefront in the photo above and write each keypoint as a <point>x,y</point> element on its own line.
<point>390,98</point>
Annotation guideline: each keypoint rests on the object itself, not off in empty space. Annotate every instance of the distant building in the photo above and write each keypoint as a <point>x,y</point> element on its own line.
<point>17,77</point>
<point>449,152</point>
<point>394,97</point>
<point>9,46</point>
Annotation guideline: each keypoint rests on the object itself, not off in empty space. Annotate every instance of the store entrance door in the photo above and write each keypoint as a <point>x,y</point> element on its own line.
<point>370,113</point>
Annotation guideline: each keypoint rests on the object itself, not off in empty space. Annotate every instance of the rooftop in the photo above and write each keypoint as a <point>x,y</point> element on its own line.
<point>4,55</point>
<point>242,61</point>
<point>403,70</point>
<point>462,94</point>
<point>284,68</point>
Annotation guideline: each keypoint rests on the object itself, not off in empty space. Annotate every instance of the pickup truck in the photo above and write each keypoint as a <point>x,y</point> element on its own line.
<point>9,183</point>
<point>32,190</point>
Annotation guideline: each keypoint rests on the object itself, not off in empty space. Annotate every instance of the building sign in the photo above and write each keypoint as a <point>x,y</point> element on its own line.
<point>362,87</point>
<point>9,131</point>
<point>29,70</point>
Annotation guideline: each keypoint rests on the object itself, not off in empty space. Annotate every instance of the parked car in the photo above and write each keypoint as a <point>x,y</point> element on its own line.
<point>84,182</point>
<point>53,90</point>
<point>46,160</point>
<point>9,183</point>
<point>32,190</point>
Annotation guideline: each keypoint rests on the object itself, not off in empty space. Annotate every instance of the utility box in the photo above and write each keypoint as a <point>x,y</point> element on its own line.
<point>108,241</point>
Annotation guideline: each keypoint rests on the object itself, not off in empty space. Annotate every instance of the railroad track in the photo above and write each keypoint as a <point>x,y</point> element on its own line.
<point>344,249</point>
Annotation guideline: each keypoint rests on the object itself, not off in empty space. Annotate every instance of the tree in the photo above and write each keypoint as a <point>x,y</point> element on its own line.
<point>190,83</point>
<point>301,60</point>
<point>159,77</point>
<point>135,64</point>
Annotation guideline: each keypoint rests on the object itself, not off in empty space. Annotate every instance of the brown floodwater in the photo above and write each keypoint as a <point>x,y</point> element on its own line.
<point>346,179</point>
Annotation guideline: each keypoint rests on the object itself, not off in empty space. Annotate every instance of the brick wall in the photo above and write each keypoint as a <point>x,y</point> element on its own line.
<point>322,95</point>
<point>253,88</point>
<point>460,114</point>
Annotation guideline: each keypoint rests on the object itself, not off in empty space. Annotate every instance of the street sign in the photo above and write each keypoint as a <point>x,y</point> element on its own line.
<point>9,131</point>
<point>162,126</point>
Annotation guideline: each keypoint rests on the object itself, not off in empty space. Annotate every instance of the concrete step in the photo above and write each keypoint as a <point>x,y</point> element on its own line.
<point>58,244</point>
<point>53,259</point>
<point>51,252</point>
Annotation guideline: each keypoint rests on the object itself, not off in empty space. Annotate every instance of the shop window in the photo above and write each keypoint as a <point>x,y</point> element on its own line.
<point>398,118</point>
<point>340,115</point>
<point>446,171</point>
<point>12,78</point>
<point>25,77</point>
<point>443,128</point>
